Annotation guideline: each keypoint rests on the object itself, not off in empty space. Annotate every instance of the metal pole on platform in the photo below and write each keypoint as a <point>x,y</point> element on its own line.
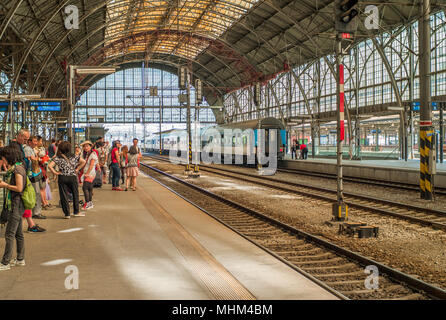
<point>427,137</point>
<point>70,106</point>
<point>161,119</point>
<point>313,146</point>
<point>340,209</point>
<point>339,66</point>
<point>189,129</point>
<point>442,108</point>
<point>11,107</point>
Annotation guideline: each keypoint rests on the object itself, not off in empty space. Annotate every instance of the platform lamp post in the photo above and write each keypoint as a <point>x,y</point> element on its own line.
<point>74,70</point>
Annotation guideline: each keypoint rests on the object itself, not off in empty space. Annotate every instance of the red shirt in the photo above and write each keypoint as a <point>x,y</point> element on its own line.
<point>302,146</point>
<point>114,160</point>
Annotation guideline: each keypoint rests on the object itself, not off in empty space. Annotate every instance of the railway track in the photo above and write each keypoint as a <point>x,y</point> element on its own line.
<point>364,181</point>
<point>410,213</point>
<point>393,185</point>
<point>339,270</point>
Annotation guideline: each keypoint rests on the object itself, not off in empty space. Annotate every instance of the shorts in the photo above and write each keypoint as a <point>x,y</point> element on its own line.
<point>27,214</point>
<point>42,184</point>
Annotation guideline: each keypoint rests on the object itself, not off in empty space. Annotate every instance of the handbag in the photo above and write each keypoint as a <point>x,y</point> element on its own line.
<point>49,196</point>
<point>2,230</point>
<point>5,213</point>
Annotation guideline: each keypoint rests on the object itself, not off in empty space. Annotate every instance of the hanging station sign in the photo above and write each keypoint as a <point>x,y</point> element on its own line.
<point>54,106</point>
<point>4,106</point>
<point>416,106</point>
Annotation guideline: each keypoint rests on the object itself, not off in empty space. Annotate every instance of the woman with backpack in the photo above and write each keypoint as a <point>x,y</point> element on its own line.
<point>69,165</point>
<point>13,208</point>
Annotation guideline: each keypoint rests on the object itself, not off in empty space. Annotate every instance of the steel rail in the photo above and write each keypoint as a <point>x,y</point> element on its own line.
<point>350,202</point>
<point>395,275</point>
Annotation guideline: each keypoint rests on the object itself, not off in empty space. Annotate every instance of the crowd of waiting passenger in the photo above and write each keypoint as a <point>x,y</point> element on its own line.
<point>29,164</point>
<point>299,151</point>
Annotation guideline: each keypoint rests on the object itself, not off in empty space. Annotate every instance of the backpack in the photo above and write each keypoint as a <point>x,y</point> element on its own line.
<point>97,182</point>
<point>51,150</point>
<point>29,195</point>
<point>102,155</point>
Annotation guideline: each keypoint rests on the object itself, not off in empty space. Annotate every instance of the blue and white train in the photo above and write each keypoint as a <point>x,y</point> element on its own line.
<point>214,136</point>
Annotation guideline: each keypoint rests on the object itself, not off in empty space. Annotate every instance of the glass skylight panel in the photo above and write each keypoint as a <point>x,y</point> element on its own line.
<point>209,18</point>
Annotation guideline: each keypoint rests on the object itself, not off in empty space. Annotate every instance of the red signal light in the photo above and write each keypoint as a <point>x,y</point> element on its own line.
<point>346,36</point>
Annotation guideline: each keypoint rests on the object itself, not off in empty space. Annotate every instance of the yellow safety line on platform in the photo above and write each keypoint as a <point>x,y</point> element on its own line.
<point>216,278</point>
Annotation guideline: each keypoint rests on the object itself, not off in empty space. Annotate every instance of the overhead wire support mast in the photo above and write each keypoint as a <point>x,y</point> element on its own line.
<point>197,140</point>
<point>427,133</point>
<point>189,129</point>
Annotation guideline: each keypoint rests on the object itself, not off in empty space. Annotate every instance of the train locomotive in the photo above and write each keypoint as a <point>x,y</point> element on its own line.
<point>231,145</point>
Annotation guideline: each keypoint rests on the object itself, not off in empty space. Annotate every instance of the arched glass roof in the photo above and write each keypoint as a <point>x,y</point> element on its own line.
<point>167,26</point>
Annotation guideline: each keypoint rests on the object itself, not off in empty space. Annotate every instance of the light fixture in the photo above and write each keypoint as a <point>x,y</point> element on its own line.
<point>94,70</point>
<point>22,96</point>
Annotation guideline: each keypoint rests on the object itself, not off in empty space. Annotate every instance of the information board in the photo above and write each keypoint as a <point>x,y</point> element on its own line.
<point>45,106</point>
<point>4,106</point>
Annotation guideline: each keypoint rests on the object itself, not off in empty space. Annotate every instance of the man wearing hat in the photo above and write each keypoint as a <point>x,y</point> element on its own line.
<point>91,162</point>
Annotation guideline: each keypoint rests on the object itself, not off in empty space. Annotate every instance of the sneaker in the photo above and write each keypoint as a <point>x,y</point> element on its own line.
<point>39,216</point>
<point>67,217</point>
<point>90,205</point>
<point>80,214</point>
<point>16,262</point>
<point>118,189</point>
<point>4,267</point>
<point>36,228</point>
<point>85,206</point>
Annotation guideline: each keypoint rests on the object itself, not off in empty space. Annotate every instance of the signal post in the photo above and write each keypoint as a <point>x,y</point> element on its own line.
<point>345,12</point>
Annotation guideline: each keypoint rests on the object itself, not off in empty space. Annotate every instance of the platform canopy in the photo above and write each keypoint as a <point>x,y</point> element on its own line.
<point>228,43</point>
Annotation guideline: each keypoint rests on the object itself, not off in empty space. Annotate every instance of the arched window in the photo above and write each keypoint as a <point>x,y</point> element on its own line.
<point>126,97</point>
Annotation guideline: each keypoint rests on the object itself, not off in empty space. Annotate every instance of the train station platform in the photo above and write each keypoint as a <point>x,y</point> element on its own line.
<point>384,170</point>
<point>148,244</point>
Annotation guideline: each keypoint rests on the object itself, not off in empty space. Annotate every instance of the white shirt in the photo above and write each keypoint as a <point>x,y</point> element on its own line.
<point>92,173</point>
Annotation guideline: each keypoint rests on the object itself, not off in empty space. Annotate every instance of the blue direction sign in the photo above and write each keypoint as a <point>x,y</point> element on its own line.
<point>416,106</point>
<point>45,105</point>
<point>78,130</point>
<point>4,105</point>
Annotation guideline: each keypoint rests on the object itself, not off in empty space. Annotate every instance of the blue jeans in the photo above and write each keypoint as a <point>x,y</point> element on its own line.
<point>116,175</point>
<point>14,232</point>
